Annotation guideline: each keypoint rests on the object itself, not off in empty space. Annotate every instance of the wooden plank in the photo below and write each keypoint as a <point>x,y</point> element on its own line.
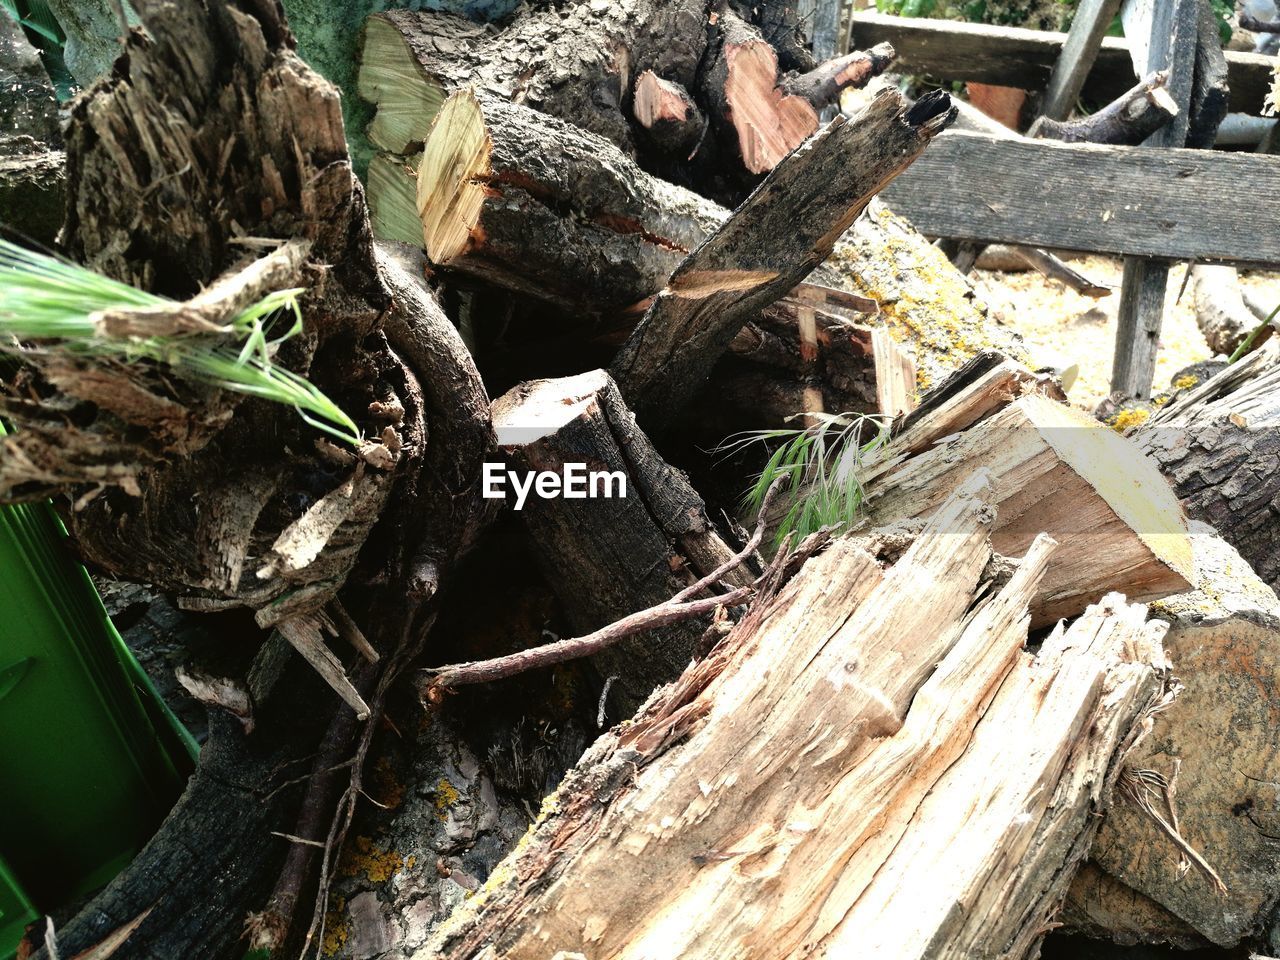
<point>1015,57</point>
<point>1163,35</point>
<point>1079,52</point>
<point>1172,204</point>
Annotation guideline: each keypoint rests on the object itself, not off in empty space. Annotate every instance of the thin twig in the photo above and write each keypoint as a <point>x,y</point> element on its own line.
<point>675,610</point>
<point>574,648</point>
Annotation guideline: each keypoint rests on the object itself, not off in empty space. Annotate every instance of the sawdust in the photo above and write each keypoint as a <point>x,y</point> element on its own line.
<point>1061,328</point>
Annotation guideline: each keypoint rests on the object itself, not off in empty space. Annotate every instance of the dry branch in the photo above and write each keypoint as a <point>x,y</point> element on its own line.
<point>773,241</point>
<point>1129,119</point>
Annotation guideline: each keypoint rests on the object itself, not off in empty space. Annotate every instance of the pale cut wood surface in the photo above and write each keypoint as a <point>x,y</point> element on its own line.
<point>764,804</point>
<point>1056,470</point>
<point>1175,204</point>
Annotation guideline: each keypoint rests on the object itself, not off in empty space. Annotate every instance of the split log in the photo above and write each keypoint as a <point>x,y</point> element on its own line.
<point>638,534</point>
<point>726,820</point>
<point>1216,743</point>
<point>574,62</point>
<point>1054,469</point>
<point>1127,120</point>
<point>1221,313</point>
<point>773,241</point>
<point>511,196</point>
<point>761,114</point>
<point>1217,445</point>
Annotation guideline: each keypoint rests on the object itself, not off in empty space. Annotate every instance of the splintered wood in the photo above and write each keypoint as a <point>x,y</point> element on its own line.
<point>864,732</point>
<point>1118,524</point>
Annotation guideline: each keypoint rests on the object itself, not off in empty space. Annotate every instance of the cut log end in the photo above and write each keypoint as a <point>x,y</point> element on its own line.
<point>768,123</point>
<point>451,178</point>
<point>539,408</point>
<point>407,96</point>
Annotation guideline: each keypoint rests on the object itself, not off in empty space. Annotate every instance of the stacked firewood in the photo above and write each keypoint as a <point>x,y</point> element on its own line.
<point>1016,679</point>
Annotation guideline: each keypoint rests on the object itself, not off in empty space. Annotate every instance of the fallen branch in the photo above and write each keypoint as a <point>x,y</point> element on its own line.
<point>679,608</point>
<point>1129,119</point>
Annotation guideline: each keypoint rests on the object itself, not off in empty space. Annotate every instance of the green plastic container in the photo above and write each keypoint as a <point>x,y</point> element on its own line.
<point>90,759</point>
<point>16,911</point>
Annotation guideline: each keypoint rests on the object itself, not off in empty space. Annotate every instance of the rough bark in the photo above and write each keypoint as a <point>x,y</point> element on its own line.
<point>577,62</point>
<point>511,196</point>
<point>773,241</point>
<point>1217,445</point>
<point>611,555</point>
<point>1127,120</point>
<point>726,821</point>
<point>1221,313</point>
<point>1214,743</point>
<point>32,188</point>
<point>927,306</point>
<point>1055,470</point>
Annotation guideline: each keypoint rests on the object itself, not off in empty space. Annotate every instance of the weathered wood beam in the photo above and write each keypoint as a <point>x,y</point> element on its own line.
<point>1014,57</point>
<point>1163,36</point>
<point>1175,204</point>
<point>1079,52</point>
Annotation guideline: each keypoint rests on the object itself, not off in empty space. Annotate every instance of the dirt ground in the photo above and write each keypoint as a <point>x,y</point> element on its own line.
<point>1062,328</point>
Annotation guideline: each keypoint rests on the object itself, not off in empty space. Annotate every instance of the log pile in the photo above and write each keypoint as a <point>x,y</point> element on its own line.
<point>602,237</point>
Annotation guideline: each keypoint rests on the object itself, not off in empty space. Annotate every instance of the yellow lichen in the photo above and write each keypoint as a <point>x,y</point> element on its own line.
<point>1125,419</point>
<point>925,303</point>
<point>1185,382</point>
<point>336,929</point>
<point>388,789</point>
<point>377,863</point>
<point>446,796</point>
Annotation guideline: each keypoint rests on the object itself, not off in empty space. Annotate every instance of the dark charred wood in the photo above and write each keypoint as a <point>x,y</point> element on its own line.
<point>1210,96</point>
<point>609,556</point>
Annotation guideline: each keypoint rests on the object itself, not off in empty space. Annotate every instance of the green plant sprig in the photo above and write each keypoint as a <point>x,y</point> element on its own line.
<point>46,299</point>
<point>824,462</point>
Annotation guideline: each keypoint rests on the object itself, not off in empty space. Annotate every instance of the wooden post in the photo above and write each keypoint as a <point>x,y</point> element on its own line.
<point>1162,37</point>
<point>1078,54</point>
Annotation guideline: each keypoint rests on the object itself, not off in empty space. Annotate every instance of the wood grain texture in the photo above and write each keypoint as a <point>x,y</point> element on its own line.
<point>1079,52</point>
<point>1014,57</point>
<point>777,799</point>
<point>1217,736</point>
<point>1117,523</point>
<point>773,241</point>
<point>1175,204</point>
